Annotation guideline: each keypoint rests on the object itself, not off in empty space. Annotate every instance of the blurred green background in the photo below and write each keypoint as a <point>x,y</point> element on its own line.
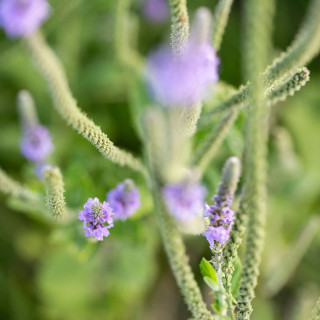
<point>52,272</point>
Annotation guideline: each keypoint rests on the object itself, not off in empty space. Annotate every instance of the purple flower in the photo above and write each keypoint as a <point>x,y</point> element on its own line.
<point>124,200</point>
<point>184,200</point>
<point>22,17</point>
<point>219,234</point>
<point>184,80</point>
<point>156,10</point>
<point>36,143</point>
<point>94,216</point>
<point>221,219</point>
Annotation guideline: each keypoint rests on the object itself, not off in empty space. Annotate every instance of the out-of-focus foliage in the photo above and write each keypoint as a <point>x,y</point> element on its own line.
<point>49,272</point>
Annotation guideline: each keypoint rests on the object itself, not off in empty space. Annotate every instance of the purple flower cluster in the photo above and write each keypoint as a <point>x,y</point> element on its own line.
<point>221,220</point>
<point>156,11</point>
<point>184,80</point>
<point>22,17</point>
<point>184,200</point>
<point>36,144</point>
<point>124,200</point>
<point>94,217</point>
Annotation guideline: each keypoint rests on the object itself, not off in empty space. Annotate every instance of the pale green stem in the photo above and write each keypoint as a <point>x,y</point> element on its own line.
<point>190,118</point>
<point>316,311</point>
<point>258,16</point>
<point>122,33</point>
<point>27,110</point>
<point>279,91</point>
<point>171,237</point>
<point>206,151</point>
<point>281,273</point>
<point>220,20</point>
<point>13,188</point>
<point>55,190</point>
<point>179,25</point>
<point>66,105</point>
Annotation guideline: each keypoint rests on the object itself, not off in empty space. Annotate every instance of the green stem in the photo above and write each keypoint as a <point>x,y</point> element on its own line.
<point>316,311</point>
<point>220,20</point>
<point>66,105</point>
<point>179,25</point>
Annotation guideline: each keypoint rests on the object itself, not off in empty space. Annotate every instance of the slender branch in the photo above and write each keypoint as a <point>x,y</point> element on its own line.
<point>258,16</point>
<point>279,275</point>
<point>66,105</point>
<point>220,20</point>
<point>54,189</point>
<point>13,188</point>
<point>124,51</point>
<point>279,91</point>
<point>179,25</point>
<point>206,151</point>
<point>304,48</point>
<point>171,237</point>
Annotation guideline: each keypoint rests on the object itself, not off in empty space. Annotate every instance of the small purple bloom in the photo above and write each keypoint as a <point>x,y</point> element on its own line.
<point>221,218</point>
<point>36,143</point>
<point>22,17</point>
<point>184,200</point>
<point>184,80</point>
<point>219,234</point>
<point>94,216</point>
<point>124,200</point>
<point>156,10</point>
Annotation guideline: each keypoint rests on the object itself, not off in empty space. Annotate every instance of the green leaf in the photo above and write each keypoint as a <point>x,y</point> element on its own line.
<point>207,270</point>
<point>210,283</point>
<point>236,277</point>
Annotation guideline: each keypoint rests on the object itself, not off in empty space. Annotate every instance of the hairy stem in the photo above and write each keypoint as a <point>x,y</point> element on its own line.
<point>179,25</point>
<point>258,16</point>
<point>206,151</point>
<point>220,20</point>
<point>13,188</point>
<point>316,311</point>
<point>279,91</point>
<point>66,105</point>
<point>54,189</point>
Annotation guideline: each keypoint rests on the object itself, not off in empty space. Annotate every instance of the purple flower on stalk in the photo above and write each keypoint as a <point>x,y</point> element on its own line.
<point>181,81</point>
<point>124,200</point>
<point>94,216</point>
<point>219,234</point>
<point>184,200</point>
<point>36,143</point>
<point>221,219</point>
<point>22,17</point>
<point>156,10</point>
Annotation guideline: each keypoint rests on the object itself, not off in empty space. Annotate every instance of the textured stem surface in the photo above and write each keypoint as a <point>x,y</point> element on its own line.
<point>179,25</point>
<point>279,91</point>
<point>258,16</point>
<point>66,105</point>
<point>220,20</point>
<point>316,311</point>
<point>54,189</point>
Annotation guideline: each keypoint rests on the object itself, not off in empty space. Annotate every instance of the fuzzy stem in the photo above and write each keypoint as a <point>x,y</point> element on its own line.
<point>220,19</point>
<point>316,311</point>
<point>13,188</point>
<point>190,118</point>
<point>54,189</point>
<point>258,16</point>
<point>303,49</point>
<point>278,276</point>
<point>26,108</point>
<point>171,237</point>
<point>123,49</point>
<point>179,25</point>
<point>276,92</point>
<point>66,105</point>
<point>205,152</point>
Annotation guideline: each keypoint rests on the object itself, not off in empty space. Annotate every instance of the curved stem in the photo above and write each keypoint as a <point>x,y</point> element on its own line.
<point>67,107</point>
